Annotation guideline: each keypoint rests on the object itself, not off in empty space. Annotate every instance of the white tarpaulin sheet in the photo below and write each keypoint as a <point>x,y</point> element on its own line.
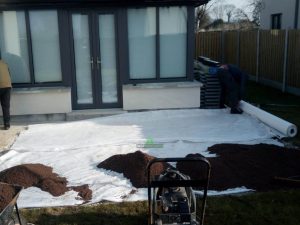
<point>284,127</point>
<point>74,149</point>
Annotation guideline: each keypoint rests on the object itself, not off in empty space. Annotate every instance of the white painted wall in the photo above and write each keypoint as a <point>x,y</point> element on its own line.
<point>286,7</point>
<point>161,96</point>
<point>34,101</point>
<point>31,101</point>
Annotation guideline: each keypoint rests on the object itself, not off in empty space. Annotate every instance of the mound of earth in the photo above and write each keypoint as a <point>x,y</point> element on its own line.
<point>194,169</point>
<point>133,166</point>
<point>7,193</point>
<point>252,166</point>
<point>41,176</point>
<point>36,175</point>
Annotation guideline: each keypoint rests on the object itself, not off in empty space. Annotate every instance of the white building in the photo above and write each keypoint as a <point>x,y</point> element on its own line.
<point>280,14</point>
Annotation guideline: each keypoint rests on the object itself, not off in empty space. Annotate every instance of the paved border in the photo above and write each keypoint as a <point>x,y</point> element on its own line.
<point>8,137</point>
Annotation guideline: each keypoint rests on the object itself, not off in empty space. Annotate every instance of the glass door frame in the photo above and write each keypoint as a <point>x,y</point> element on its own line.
<point>95,48</point>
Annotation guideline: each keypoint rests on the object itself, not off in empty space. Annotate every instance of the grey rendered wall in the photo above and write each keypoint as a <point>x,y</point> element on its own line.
<point>286,7</point>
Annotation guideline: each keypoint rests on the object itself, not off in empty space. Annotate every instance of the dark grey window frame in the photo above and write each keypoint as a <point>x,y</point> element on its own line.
<point>95,49</point>
<point>278,18</point>
<point>189,53</point>
<point>64,68</point>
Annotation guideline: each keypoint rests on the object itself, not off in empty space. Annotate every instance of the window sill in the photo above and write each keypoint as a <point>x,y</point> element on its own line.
<point>186,84</point>
<point>32,90</point>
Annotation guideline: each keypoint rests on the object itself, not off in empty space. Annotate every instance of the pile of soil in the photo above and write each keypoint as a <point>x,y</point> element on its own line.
<point>41,176</point>
<point>7,193</point>
<point>35,175</point>
<point>252,166</point>
<point>133,166</point>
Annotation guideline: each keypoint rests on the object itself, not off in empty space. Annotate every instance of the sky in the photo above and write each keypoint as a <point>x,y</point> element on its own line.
<point>238,3</point>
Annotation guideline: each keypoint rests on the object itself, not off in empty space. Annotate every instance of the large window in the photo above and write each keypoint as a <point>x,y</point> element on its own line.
<point>33,58</point>
<point>173,38</point>
<point>13,45</point>
<point>45,46</point>
<point>157,40</point>
<point>142,42</point>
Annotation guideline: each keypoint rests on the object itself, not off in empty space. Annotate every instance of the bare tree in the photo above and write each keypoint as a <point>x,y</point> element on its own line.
<point>202,17</point>
<point>222,11</point>
<point>229,11</point>
<point>218,11</point>
<point>257,6</point>
<point>241,15</point>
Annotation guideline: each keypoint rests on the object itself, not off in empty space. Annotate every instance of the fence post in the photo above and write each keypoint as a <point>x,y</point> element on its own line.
<point>238,49</point>
<point>257,55</point>
<point>223,46</point>
<point>202,44</point>
<point>286,42</point>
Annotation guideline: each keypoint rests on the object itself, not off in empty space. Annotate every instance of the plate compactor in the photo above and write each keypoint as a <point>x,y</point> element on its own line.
<point>171,198</point>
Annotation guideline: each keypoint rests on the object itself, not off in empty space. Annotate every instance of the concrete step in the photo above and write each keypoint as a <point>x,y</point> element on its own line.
<point>92,113</point>
<point>60,117</point>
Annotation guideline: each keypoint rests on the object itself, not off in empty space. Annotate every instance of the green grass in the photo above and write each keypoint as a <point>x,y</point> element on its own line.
<point>262,94</point>
<point>283,105</point>
<point>270,208</point>
<point>281,207</point>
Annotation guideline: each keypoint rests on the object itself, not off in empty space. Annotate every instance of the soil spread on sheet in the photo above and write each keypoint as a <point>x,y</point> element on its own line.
<point>133,166</point>
<point>83,192</point>
<point>7,193</point>
<point>252,166</point>
<point>41,176</point>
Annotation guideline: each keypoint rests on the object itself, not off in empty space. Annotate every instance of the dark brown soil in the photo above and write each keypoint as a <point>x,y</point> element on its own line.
<point>252,166</point>
<point>133,166</point>
<point>36,175</point>
<point>84,192</point>
<point>7,193</point>
<point>41,176</point>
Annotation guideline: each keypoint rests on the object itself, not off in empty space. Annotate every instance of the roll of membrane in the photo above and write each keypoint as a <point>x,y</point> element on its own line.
<point>284,127</point>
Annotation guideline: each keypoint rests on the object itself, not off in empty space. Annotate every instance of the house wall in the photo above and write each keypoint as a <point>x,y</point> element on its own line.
<point>29,101</point>
<point>34,101</point>
<point>161,96</point>
<point>46,96</point>
<point>286,7</point>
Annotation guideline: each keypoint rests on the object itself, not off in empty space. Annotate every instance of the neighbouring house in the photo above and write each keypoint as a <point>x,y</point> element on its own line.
<point>66,55</point>
<point>220,25</point>
<point>279,14</point>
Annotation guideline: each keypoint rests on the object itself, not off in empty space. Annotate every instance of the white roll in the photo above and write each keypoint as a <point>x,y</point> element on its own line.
<point>284,127</point>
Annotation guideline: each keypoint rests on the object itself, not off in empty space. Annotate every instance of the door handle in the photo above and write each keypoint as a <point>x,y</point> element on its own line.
<point>92,62</point>
<point>98,62</point>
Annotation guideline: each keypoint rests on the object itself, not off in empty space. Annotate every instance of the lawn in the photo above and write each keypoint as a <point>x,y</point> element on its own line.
<point>284,105</point>
<point>279,207</point>
<point>276,208</point>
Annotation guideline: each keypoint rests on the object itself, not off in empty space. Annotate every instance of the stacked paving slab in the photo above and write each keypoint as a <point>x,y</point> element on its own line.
<point>205,72</point>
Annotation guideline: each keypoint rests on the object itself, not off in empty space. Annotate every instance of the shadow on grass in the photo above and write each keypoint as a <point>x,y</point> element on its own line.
<point>125,213</point>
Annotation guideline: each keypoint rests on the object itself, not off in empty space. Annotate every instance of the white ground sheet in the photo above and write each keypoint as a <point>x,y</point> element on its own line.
<point>74,149</point>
